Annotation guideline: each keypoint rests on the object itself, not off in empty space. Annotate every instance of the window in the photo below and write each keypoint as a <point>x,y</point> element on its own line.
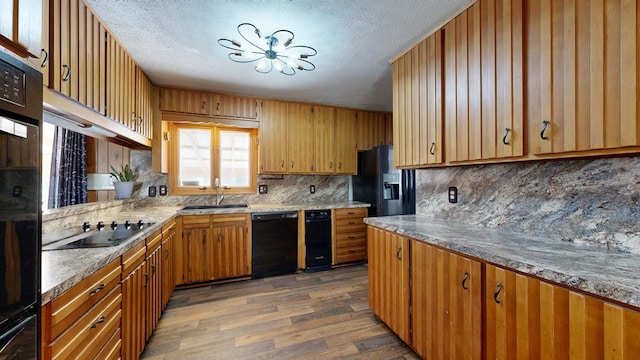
<point>202,153</point>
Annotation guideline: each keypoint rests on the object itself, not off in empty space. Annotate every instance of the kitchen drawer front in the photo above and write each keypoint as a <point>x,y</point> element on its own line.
<point>111,350</point>
<point>91,332</point>
<point>168,227</point>
<point>350,225</point>
<point>351,213</point>
<point>65,309</point>
<point>132,258</point>
<point>231,219</point>
<point>196,221</point>
<point>153,241</point>
<point>350,254</point>
<point>350,239</point>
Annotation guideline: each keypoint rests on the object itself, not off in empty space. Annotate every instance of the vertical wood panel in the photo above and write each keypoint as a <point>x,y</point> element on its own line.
<point>474,86</point>
<point>416,99</point>
<point>74,56</point>
<point>629,129</point>
<point>462,77</point>
<point>489,78</point>
<point>546,63</point>
<point>82,53</point>
<point>428,101</point>
<point>89,57</point>
<point>395,117</point>
<point>596,87</point>
<point>407,145</point>
<point>450,97</point>
<point>554,322</point>
<point>612,73</point>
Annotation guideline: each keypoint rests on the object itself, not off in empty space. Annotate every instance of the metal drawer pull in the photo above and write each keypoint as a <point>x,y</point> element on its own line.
<point>100,287</point>
<point>464,280</point>
<point>504,138</point>
<point>495,294</point>
<point>67,76</point>
<point>153,270</point>
<point>545,123</point>
<point>100,320</point>
<point>166,254</point>
<point>398,253</point>
<point>433,144</point>
<point>46,58</point>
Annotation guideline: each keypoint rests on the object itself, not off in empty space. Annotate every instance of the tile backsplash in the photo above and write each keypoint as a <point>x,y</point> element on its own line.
<point>584,201</point>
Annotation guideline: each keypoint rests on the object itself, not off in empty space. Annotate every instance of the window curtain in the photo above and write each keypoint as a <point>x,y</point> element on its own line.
<point>68,185</point>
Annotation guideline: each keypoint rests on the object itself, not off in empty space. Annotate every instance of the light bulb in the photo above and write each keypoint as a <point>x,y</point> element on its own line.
<point>261,65</point>
<point>278,67</point>
<point>292,63</point>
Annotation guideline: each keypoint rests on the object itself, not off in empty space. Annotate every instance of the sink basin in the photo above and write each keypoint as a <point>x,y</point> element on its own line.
<point>221,206</point>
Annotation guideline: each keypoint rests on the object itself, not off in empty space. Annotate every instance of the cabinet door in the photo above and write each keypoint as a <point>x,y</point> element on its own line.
<point>134,313</point>
<point>232,254</point>
<point>370,129</point>
<point>389,279</point>
<point>197,254</point>
<point>324,130</point>
<point>273,130</point>
<point>168,279</point>
<point>346,152</point>
<point>417,104</point>
<point>143,104</point>
<point>299,139</point>
<point>153,288</point>
<point>484,82</point>
<point>234,106</point>
<point>185,101</point>
<point>20,27</point>
<point>446,302</point>
<point>120,84</point>
<point>582,75</point>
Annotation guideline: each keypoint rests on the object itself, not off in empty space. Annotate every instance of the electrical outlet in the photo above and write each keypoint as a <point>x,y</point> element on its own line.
<point>453,194</point>
<point>163,190</point>
<point>263,189</point>
<point>312,189</point>
<point>152,191</point>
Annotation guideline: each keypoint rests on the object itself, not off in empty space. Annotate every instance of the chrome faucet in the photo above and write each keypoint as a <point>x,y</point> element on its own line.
<point>219,197</point>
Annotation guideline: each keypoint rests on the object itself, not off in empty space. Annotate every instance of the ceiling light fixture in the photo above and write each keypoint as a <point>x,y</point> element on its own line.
<point>271,51</point>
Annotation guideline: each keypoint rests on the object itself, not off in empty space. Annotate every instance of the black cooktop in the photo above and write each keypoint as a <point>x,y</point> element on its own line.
<point>102,236</point>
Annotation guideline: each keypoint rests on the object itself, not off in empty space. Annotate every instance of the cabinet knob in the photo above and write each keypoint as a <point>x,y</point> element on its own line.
<point>545,123</point>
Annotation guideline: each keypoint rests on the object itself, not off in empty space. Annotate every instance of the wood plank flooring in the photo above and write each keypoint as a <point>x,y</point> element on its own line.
<point>323,315</point>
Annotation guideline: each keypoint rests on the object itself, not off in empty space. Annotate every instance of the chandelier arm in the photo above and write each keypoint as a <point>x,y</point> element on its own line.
<point>244,37</point>
<point>231,55</point>
<point>313,67</point>
<point>234,48</point>
<point>266,71</point>
<point>286,66</point>
<point>289,40</point>
<point>300,67</point>
<point>315,52</point>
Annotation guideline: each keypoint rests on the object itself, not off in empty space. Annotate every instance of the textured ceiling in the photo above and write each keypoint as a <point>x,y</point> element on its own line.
<point>175,43</point>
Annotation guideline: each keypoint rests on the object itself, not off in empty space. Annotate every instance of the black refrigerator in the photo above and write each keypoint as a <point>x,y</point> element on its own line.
<point>20,209</point>
<point>390,191</point>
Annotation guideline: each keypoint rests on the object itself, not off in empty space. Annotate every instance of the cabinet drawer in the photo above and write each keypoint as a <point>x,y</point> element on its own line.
<point>231,219</point>
<point>168,227</point>
<point>153,241</point>
<point>65,309</point>
<point>350,226</point>
<point>351,213</point>
<point>111,350</point>
<point>350,254</point>
<point>91,332</point>
<point>350,240</point>
<point>132,258</point>
<point>196,221</point>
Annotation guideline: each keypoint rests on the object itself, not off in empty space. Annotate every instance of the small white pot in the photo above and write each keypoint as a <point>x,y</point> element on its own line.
<point>123,189</point>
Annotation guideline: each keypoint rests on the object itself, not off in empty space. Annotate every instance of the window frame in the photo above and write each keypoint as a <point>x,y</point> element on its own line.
<point>174,146</point>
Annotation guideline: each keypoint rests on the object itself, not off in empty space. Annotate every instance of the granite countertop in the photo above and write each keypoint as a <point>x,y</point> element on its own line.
<point>62,269</point>
<point>607,273</point>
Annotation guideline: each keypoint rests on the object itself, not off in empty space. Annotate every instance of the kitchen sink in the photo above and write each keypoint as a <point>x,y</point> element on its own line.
<point>221,206</point>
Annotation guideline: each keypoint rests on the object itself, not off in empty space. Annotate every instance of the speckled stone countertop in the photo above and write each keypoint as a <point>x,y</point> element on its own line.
<point>608,273</point>
<point>62,269</point>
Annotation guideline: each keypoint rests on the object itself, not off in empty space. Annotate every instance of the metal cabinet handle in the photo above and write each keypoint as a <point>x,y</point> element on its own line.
<point>504,138</point>
<point>464,280</point>
<point>96,290</point>
<point>340,166</point>
<point>204,104</point>
<point>282,164</point>
<point>166,254</point>
<point>153,270</point>
<point>330,164</point>
<point>45,60</point>
<point>219,237</point>
<point>101,319</point>
<point>398,253</point>
<point>495,294</point>
<point>431,149</point>
<point>204,237</point>
<point>217,106</point>
<point>292,164</point>
<point>146,279</point>
<point>545,123</point>
<point>67,75</point>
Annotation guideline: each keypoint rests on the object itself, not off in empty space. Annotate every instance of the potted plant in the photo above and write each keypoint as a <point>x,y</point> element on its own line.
<point>123,181</point>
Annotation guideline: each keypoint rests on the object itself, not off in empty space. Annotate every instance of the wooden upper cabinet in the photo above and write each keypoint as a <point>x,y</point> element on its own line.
<point>121,84</point>
<point>346,137</point>
<point>185,101</point>
<point>417,104</point>
<point>299,139</point>
<point>371,128</point>
<point>273,132</point>
<point>143,104</point>
<point>324,135</point>
<point>484,82</point>
<point>234,106</point>
<point>582,75</point>
<point>21,26</point>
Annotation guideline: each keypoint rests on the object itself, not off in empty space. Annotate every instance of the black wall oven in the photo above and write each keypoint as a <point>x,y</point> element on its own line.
<point>20,209</point>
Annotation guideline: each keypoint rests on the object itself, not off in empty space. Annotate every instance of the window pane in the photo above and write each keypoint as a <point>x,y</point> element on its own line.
<point>234,158</point>
<point>194,157</point>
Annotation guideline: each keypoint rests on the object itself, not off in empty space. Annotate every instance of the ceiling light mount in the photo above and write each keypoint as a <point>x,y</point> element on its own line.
<point>269,52</point>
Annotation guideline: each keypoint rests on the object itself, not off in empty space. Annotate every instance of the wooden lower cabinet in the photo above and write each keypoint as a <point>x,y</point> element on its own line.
<point>168,278</point>
<point>349,235</point>
<point>153,287</point>
<point>196,242</point>
<point>446,304</point>
<point>532,319</point>
<point>83,320</point>
<point>133,302</point>
<point>389,279</point>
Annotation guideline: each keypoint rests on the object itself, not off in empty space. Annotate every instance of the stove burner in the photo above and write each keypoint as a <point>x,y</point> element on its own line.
<point>114,235</point>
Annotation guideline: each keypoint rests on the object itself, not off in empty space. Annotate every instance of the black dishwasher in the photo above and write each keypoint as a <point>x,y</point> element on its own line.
<point>274,243</point>
<point>317,240</point>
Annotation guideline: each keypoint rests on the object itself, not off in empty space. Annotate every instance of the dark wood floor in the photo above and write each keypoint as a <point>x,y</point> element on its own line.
<point>323,315</point>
